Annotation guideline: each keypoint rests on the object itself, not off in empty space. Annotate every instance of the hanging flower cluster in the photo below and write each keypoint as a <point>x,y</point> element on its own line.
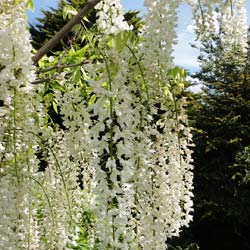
<point>227,17</point>
<point>37,209</point>
<point>132,146</point>
<point>18,229</point>
<point>159,36</point>
<point>234,23</point>
<point>110,17</point>
<point>132,149</point>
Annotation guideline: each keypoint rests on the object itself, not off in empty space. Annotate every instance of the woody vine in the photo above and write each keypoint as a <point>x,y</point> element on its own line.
<point>117,171</point>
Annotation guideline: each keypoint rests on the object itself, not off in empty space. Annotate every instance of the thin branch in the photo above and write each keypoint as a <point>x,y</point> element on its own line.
<point>232,9</point>
<point>64,31</point>
<point>38,81</point>
<point>203,17</point>
<point>61,66</point>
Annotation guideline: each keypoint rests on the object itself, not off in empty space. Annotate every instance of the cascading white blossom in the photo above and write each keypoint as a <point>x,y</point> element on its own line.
<point>38,210</point>
<point>18,225</point>
<point>110,17</point>
<point>234,24</point>
<point>159,34</point>
<point>62,200</point>
<point>76,146</point>
<point>169,166</point>
<point>95,145</point>
<point>135,163</point>
<point>205,17</point>
<point>228,17</point>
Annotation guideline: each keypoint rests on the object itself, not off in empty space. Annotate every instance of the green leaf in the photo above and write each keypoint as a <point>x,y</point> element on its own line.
<point>56,86</point>
<point>54,104</point>
<point>92,99</point>
<point>105,85</point>
<point>41,64</point>
<point>48,98</point>
<point>76,75</point>
<point>110,43</point>
<point>68,11</point>
<point>30,4</point>
<point>167,91</point>
<point>120,41</point>
<point>86,19</point>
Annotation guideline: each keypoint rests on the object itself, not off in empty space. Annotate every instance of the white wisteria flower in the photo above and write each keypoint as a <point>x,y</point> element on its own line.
<point>111,17</point>
<point>230,16</point>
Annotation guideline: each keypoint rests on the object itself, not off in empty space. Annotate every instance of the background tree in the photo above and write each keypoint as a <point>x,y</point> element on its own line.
<point>221,120</point>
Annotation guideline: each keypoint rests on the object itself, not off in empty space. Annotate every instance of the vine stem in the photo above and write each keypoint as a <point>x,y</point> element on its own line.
<point>29,199</point>
<point>47,198</point>
<point>141,71</point>
<point>111,126</point>
<point>15,137</point>
<point>231,7</point>
<point>62,66</point>
<point>202,14</point>
<point>178,125</point>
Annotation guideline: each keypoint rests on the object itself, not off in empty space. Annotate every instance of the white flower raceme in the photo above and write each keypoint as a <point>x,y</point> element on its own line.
<point>169,167</point>
<point>229,16</point>
<point>18,223</point>
<point>159,35</point>
<point>112,172</point>
<point>15,60</point>
<point>110,17</point>
<point>234,24</point>
<point>61,199</point>
<point>137,179</point>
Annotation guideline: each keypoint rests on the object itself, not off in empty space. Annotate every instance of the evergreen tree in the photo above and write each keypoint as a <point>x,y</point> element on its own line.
<point>221,120</point>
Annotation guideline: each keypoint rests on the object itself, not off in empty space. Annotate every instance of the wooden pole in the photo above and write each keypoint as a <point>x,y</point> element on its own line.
<point>64,31</point>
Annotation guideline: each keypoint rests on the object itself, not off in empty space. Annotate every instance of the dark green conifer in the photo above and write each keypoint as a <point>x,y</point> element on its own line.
<point>221,120</point>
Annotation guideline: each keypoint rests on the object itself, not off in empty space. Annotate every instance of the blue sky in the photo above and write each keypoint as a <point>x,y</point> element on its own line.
<point>185,56</point>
